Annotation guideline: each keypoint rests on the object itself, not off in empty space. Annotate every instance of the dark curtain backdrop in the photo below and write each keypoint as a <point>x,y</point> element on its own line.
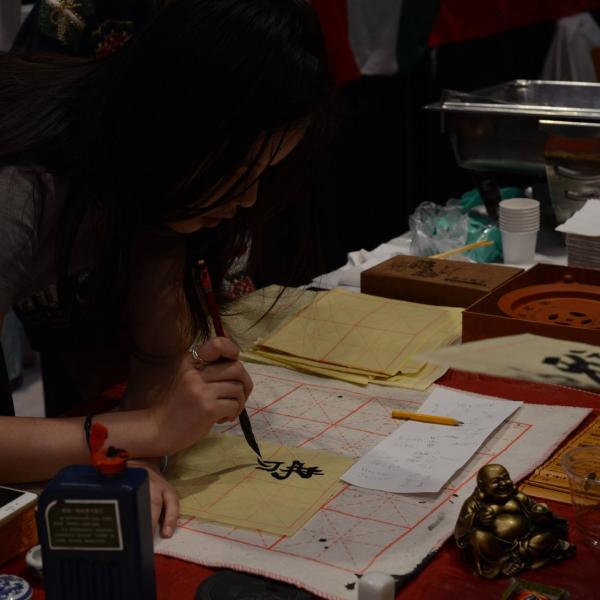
<point>389,155</point>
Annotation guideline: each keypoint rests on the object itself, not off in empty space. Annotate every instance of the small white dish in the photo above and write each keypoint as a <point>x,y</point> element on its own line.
<point>33,558</point>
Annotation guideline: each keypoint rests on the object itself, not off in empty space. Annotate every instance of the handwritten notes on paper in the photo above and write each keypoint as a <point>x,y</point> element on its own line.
<point>220,479</point>
<point>421,457</point>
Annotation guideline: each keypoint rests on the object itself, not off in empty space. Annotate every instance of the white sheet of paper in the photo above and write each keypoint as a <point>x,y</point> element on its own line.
<point>422,457</point>
<point>525,356</point>
<point>585,221</point>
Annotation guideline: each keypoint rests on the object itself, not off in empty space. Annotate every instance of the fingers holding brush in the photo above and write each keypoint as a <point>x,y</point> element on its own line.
<point>193,405</point>
<point>213,309</point>
<point>229,372</point>
<point>230,400</point>
<point>218,361</point>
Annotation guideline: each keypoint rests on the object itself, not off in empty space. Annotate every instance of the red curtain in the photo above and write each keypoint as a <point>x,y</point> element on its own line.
<point>460,20</point>
<point>334,21</point>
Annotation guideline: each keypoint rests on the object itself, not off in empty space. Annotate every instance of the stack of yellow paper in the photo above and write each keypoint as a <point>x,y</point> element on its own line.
<point>362,339</point>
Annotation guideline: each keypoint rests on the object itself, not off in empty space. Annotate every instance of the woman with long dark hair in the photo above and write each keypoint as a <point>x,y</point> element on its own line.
<point>116,176</point>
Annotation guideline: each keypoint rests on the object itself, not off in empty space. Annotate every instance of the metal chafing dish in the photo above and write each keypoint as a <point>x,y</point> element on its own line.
<point>530,127</point>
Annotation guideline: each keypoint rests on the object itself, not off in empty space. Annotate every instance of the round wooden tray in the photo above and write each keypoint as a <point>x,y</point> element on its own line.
<point>562,303</point>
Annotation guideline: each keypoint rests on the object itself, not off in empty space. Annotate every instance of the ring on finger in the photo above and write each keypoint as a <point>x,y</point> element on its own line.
<point>199,362</point>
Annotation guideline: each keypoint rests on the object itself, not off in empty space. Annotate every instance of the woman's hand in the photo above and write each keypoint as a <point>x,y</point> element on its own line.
<point>202,395</point>
<point>163,498</point>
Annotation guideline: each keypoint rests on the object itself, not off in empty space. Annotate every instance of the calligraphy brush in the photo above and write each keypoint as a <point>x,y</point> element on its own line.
<point>213,309</point>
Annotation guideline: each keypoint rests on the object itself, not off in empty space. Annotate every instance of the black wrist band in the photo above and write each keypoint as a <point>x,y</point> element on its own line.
<point>87,428</point>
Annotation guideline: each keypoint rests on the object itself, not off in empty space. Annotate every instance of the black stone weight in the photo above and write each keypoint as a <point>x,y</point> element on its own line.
<point>231,585</point>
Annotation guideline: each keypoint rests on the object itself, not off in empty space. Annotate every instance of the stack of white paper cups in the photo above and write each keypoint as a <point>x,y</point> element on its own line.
<point>519,225</point>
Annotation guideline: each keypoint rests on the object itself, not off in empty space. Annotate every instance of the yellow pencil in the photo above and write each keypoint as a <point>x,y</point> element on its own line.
<point>473,246</point>
<point>410,416</point>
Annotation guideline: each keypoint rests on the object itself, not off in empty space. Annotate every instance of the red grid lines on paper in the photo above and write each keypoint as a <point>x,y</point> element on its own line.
<point>359,525</point>
<point>359,325</point>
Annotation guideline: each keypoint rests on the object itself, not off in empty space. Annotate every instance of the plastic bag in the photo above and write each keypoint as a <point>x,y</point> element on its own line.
<point>435,229</point>
<point>481,227</point>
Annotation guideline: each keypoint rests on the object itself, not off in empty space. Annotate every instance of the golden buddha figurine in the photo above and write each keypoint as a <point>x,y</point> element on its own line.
<point>505,531</point>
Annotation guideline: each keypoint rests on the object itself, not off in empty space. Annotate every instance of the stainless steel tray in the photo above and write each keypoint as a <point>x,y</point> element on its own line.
<point>505,127</point>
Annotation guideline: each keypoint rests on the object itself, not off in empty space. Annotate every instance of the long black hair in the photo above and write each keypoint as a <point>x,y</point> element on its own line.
<point>145,134</point>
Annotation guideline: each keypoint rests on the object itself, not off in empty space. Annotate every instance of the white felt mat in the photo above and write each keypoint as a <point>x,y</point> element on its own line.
<point>358,530</point>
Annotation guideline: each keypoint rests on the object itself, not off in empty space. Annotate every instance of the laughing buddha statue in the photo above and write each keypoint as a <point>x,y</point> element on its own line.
<point>506,532</point>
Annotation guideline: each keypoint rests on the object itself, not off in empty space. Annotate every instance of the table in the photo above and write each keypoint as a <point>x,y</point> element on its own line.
<point>446,575</point>
<point>550,249</point>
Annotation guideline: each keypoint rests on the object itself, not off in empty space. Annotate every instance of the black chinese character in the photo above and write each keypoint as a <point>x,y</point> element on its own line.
<point>574,363</point>
<point>269,465</point>
<point>296,467</point>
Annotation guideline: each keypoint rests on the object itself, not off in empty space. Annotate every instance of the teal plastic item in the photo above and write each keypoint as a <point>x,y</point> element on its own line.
<point>511,192</point>
<point>435,228</point>
<point>472,198</point>
<point>482,227</point>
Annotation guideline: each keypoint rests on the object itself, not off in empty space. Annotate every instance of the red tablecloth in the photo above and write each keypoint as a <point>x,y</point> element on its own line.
<point>447,576</point>
<point>461,20</point>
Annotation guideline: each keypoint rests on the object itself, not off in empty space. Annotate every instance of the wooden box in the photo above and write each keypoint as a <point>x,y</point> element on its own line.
<point>485,320</point>
<point>18,535</point>
<point>434,281</point>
